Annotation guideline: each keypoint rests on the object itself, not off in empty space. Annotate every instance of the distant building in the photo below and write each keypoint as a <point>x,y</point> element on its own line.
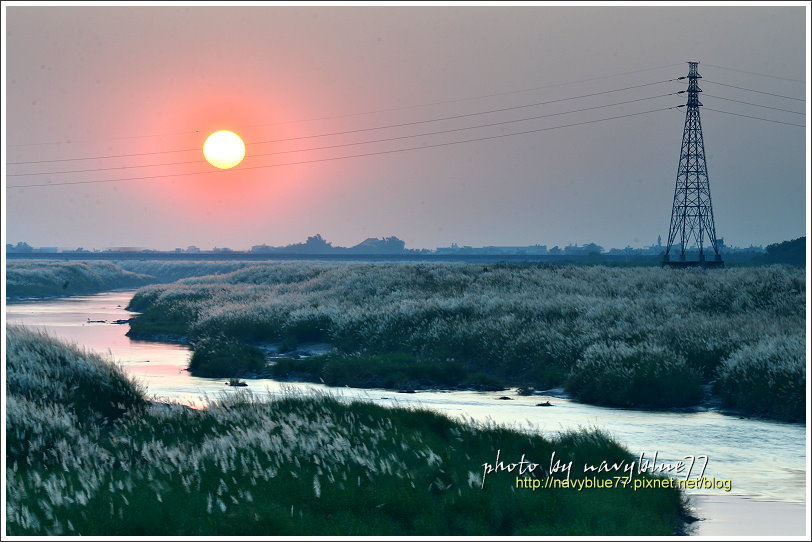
<point>532,249</point>
<point>653,250</point>
<point>263,248</point>
<point>125,249</point>
<point>591,248</point>
<point>494,250</point>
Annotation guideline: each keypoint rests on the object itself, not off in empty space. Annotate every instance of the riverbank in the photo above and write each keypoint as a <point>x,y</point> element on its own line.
<point>606,334</point>
<point>41,279</point>
<point>83,463</point>
<point>609,336</point>
<point>320,363</point>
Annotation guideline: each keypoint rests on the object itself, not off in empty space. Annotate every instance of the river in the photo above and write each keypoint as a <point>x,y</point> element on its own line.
<point>765,461</point>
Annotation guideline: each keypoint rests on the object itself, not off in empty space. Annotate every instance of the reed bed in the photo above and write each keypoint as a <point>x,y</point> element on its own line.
<point>660,334</point>
<point>114,464</point>
<point>32,279</point>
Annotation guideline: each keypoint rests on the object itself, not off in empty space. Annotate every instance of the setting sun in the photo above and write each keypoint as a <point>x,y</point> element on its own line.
<point>224,149</point>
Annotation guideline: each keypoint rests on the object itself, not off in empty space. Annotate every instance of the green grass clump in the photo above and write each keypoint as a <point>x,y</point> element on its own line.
<point>767,379</point>
<point>388,371</point>
<point>618,374</point>
<point>299,370</point>
<point>299,465</point>
<point>481,382</point>
<point>224,357</point>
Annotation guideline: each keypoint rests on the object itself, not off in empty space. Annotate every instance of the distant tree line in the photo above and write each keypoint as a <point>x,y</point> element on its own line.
<point>789,252</point>
<point>316,244</point>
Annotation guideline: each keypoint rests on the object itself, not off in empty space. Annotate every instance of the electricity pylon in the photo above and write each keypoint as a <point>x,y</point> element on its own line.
<point>692,214</point>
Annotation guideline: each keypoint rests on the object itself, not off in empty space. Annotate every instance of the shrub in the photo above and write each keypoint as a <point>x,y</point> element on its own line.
<point>308,369</point>
<point>766,378</point>
<point>389,371</point>
<point>619,374</point>
<point>224,357</point>
<point>482,382</point>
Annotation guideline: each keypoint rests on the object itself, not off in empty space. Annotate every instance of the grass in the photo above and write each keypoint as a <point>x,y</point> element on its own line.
<point>169,271</point>
<point>45,278</point>
<point>767,379</point>
<point>618,374</point>
<point>75,379</point>
<point>479,326</point>
<point>388,371</point>
<point>224,357</point>
<point>26,279</point>
<point>300,465</point>
<point>526,325</point>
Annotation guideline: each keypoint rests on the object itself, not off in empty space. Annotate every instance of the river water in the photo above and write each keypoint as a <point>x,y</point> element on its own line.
<point>764,461</point>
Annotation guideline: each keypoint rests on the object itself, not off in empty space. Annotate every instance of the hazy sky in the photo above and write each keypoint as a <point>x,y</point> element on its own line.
<point>144,82</point>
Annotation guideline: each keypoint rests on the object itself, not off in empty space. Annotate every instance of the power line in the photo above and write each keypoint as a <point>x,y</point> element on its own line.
<point>757,105</point>
<point>757,118</point>
<point>68,142</point>
<point>395,138</point>
<point>484,138</point>
<point>755,73</point>
<point>345,132</point>
<point>453,117</point>
<point>402,108</point>
<point>102,157</point>
<point>751,90</point>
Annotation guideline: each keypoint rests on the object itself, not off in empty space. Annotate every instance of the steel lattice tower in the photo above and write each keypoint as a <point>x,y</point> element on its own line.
<point>692,214</point>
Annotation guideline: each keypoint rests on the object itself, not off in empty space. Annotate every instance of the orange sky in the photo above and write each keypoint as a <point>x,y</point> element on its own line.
<point>99,76</point>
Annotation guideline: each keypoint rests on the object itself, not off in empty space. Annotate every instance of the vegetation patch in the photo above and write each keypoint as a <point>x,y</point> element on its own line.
<point>224,357</point>
<point>30,279</point>
<point>768,378</point>
<point>57,394</point>
<point>388,371</point>
<point>618,374</point>
<point>522,325</point>
<point>299,465</point>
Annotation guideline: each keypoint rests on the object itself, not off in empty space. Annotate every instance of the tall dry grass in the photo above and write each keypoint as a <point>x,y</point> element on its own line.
<point>535,325</point>
<point>114,465</point>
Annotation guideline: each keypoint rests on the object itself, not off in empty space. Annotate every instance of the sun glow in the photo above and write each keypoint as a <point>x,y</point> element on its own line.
<point>224,149</point>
